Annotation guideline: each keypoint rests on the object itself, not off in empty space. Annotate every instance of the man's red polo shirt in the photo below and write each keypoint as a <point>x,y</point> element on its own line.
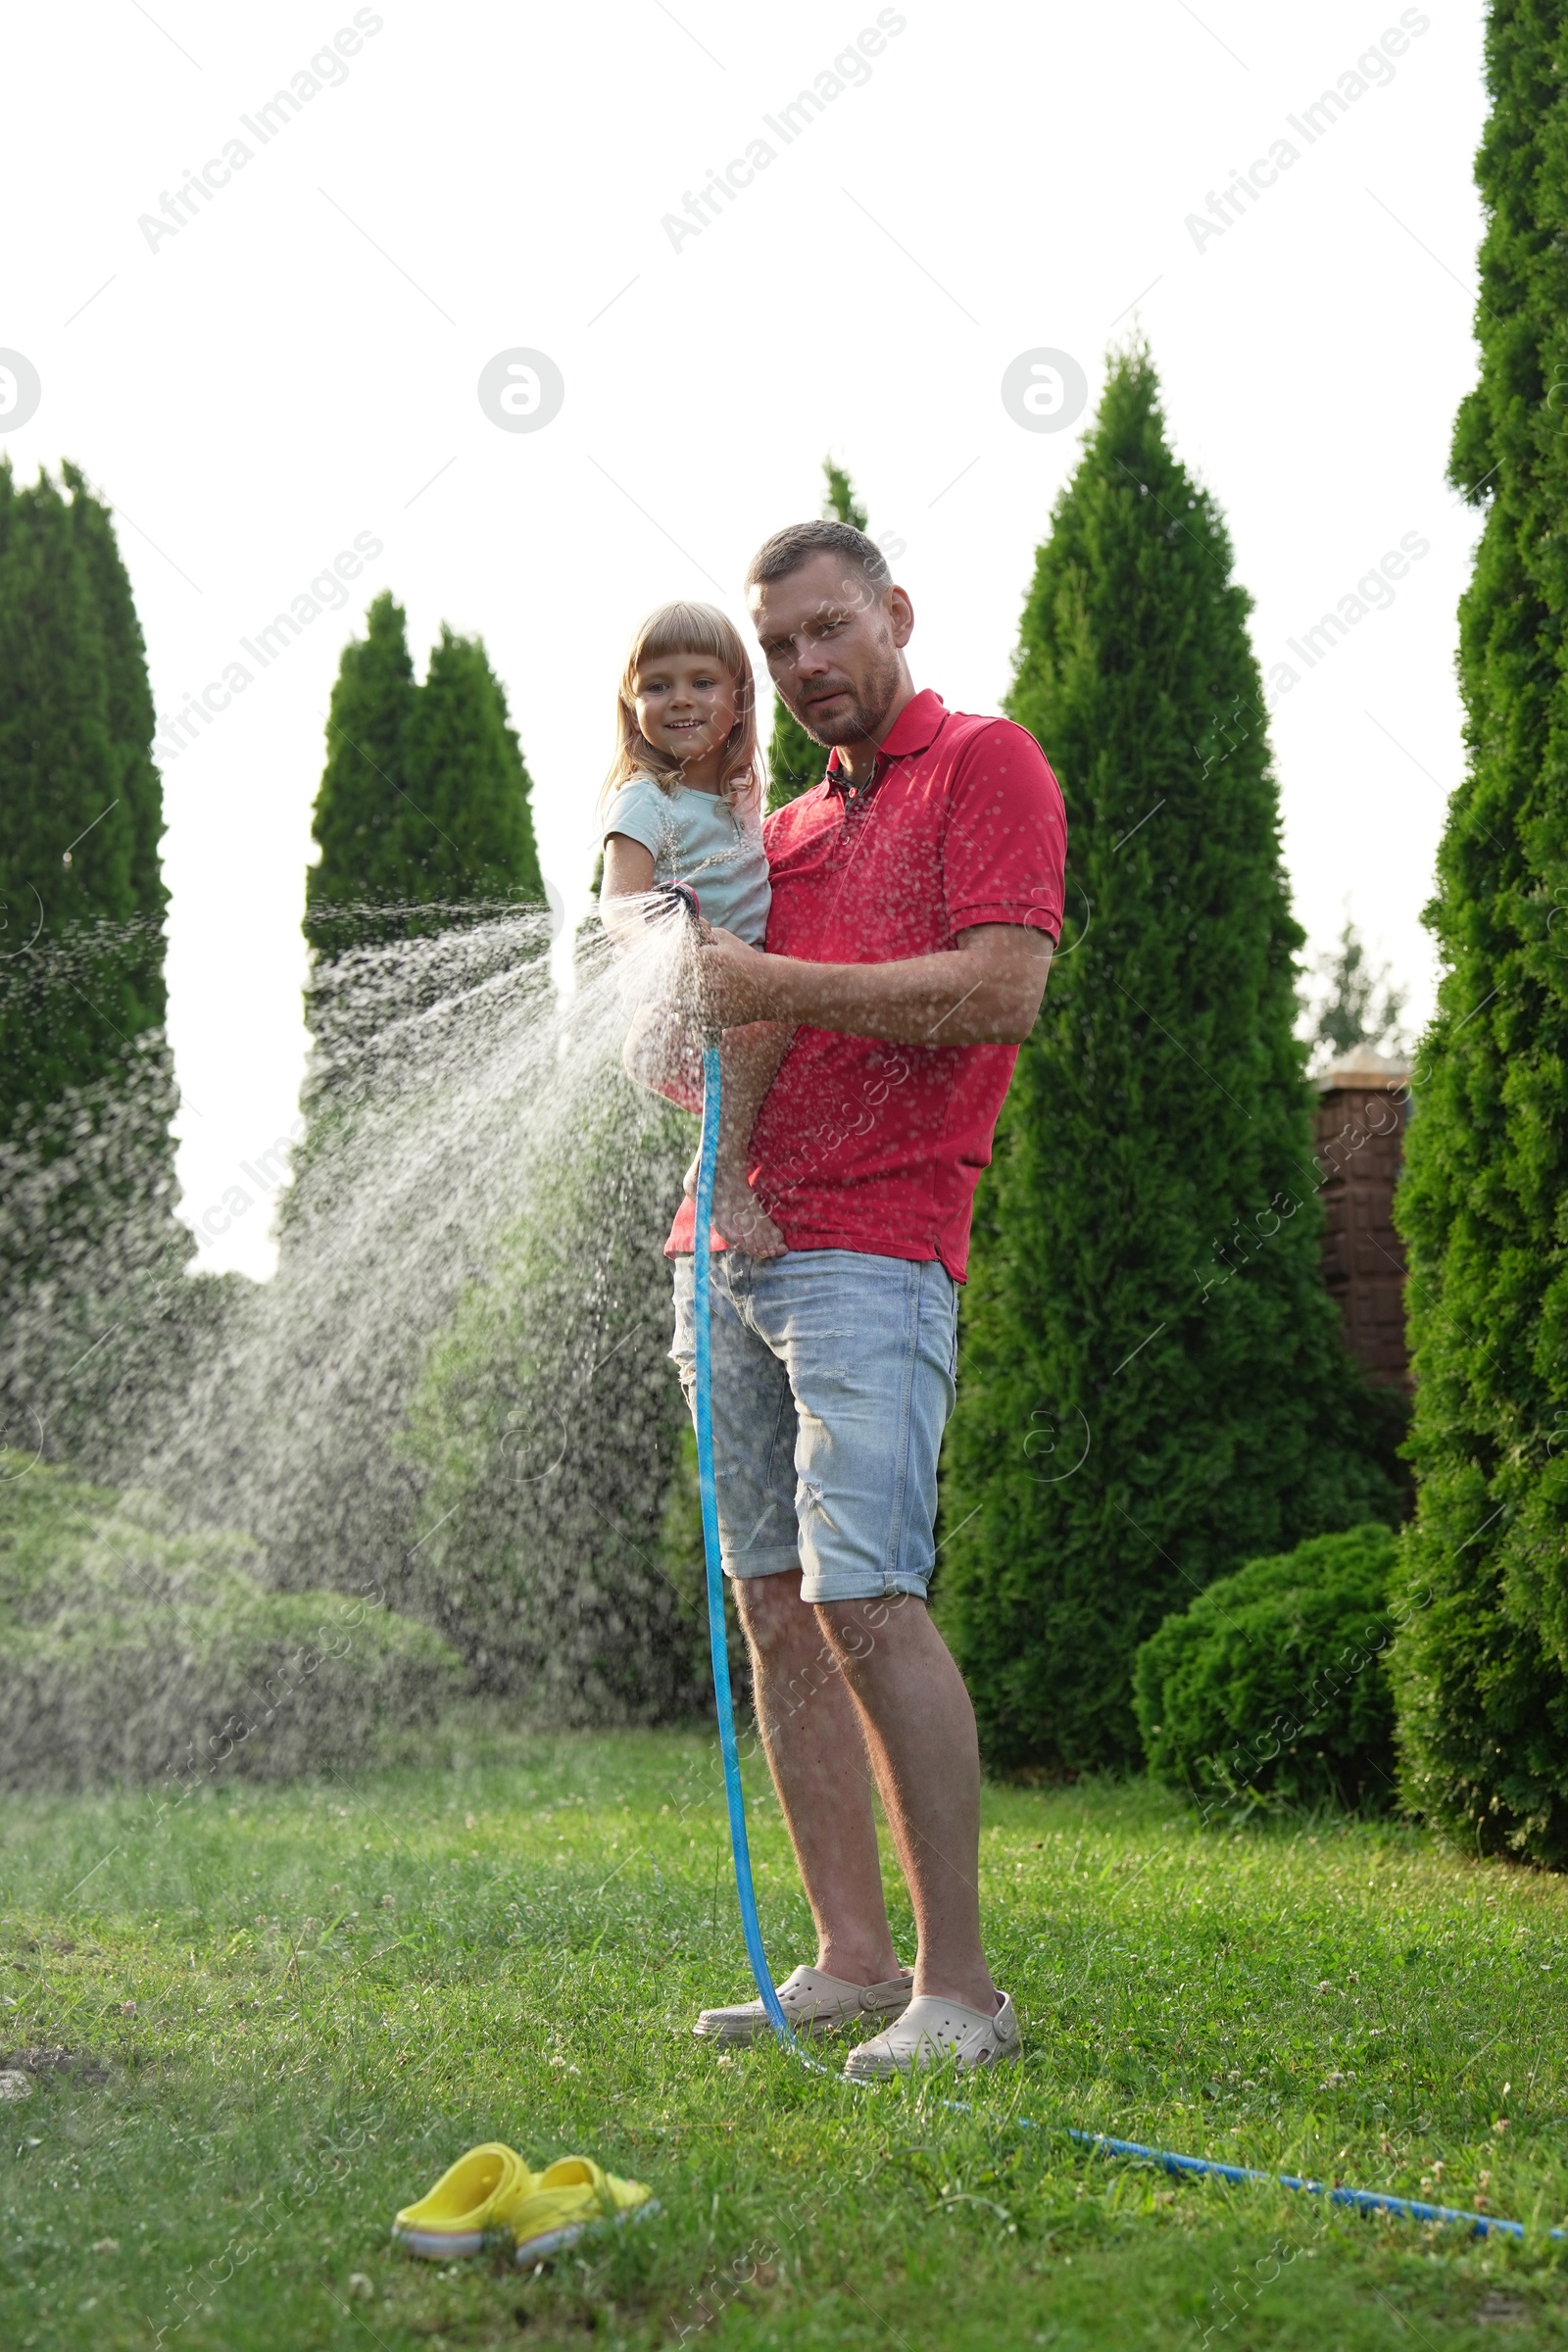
<point>862,1145</point>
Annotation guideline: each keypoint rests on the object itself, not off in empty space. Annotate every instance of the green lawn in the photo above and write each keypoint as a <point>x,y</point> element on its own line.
<point>274,2014</point>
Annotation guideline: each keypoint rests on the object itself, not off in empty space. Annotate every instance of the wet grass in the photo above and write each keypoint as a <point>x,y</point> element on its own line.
<point>259,2020</point>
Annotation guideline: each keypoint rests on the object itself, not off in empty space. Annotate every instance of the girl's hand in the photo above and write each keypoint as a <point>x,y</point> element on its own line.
<point>733,979</point>
<point>739,1215</point>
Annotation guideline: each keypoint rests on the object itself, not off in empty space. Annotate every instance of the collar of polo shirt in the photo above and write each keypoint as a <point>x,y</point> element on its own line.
<point>915,730</point>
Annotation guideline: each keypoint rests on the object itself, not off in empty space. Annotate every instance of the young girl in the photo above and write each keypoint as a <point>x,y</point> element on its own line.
<point>683,801</point>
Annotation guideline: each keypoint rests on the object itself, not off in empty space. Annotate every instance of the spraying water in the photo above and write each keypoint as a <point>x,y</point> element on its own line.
<point>453,1395</point>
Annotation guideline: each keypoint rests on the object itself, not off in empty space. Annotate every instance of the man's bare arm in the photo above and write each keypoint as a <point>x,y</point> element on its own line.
<point>985,991</point>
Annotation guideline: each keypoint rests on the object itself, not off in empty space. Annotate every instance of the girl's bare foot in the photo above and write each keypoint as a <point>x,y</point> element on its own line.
<point>739,1216</point>
<point>742,1219</point>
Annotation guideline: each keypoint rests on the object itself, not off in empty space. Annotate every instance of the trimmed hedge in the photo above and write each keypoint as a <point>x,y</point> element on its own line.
<point>1272,1685</point>
<point>129,1651</point>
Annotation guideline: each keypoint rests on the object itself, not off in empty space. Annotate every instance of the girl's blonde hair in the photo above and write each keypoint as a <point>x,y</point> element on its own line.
<point>682,628</point>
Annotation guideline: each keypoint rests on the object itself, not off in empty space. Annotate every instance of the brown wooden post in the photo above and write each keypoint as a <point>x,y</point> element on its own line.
<point>1362,1105</point>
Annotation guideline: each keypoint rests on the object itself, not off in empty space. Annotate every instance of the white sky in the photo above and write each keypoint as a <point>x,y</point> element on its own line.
<point>300,365</point>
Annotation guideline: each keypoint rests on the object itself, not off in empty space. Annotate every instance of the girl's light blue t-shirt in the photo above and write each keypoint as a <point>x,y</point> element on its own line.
<point>696,837</point>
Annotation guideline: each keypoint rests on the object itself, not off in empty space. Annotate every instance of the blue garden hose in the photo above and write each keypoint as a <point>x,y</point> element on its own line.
<point>1360,2200</point>
<point>717,1636</point>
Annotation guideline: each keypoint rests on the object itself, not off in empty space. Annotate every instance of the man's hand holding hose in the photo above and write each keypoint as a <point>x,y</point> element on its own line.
<point>986,989</point>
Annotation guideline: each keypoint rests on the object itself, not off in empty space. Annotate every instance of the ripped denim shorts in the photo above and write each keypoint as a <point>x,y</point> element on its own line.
<point>833,1379</point>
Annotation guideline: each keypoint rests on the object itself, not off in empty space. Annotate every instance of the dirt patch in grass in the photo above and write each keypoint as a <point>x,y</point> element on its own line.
<point>55,2059</point>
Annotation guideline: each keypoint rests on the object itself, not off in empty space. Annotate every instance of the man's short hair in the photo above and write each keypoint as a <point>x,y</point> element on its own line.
<point>798,542</point>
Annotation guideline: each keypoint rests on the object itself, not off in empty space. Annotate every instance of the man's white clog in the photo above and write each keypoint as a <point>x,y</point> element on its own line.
<point>812,2002</point>
<point>931,2030</point>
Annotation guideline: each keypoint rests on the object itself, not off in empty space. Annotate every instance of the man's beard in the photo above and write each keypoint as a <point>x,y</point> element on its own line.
<point>867,718</point>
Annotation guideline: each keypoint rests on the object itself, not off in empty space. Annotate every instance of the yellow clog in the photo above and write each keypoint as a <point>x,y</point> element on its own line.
<point>473,2201</point>
<point>568,2198</point>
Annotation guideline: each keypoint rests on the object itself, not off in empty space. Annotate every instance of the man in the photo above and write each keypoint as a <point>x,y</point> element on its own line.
<point>917,893</point>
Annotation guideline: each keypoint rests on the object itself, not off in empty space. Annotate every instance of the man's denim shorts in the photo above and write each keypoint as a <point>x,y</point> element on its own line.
<point>833,1379</point>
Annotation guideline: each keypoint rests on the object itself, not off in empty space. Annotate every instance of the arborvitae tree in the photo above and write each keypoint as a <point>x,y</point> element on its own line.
<point>839,502</point>
<point>423,801</point>
<point>79,807</point>
<point>424,828</point>
<point>465,820</point>
<point>359,804</point>
<point>131,719</point>
<point>91,1256</point>
<point>1357,1005</point>
<point>1154,1388</point>
<point>1481,1673</point>
<point>796,761</point>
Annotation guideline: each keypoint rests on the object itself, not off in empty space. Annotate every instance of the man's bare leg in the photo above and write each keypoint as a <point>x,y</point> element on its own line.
<point>918,1727</point>
<point>811,1733</point>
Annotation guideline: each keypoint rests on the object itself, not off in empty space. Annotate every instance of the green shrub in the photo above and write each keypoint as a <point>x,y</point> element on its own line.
<point>130,1651</point>
<point>1272,1685</point>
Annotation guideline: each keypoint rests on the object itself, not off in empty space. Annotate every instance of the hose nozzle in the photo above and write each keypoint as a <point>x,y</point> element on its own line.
<point>681,894</point>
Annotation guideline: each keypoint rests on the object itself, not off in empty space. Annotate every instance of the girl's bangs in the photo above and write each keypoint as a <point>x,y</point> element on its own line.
<point>681,628</point>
